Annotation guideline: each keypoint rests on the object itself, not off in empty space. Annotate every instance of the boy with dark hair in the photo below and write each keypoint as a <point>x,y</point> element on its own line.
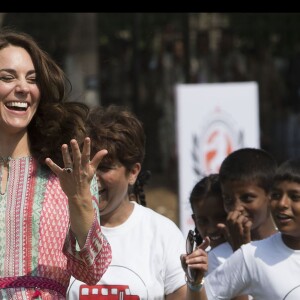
<point>246,178</point>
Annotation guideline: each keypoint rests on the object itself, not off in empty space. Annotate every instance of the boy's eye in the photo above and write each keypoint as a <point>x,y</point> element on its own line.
<point>201,221</point>
<point>247,198</point>
<point>275,195</point>
<point>295,197</point>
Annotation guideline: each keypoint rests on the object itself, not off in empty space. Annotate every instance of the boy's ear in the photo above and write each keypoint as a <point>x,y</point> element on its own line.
<point>194,218</point>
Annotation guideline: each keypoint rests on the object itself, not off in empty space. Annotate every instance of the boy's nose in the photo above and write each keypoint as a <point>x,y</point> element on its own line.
<point>284,201</point>
<point>237,204</point>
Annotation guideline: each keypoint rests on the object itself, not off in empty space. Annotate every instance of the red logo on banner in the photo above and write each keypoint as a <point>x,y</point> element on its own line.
<point>219,145</point>
<point>219,137</point>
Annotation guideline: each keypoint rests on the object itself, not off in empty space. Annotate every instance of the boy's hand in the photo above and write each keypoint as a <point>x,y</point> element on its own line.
<point>197,260</point>
<point>238,228</point>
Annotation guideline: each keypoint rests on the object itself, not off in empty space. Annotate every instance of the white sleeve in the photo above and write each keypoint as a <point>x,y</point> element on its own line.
<point>218,255</point>
<point>213,262</point>
<point>174,247</point>
<point>229,280</point>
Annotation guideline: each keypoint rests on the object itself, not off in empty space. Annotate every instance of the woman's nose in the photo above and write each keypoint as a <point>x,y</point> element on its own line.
<point>22,86</point>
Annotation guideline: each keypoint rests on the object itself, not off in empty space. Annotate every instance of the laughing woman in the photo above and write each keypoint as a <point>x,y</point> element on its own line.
<point>49,220</point>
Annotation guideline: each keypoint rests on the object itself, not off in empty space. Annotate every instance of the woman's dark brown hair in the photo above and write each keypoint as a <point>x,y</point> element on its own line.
<point>118,130</point>
<point>56,120</point>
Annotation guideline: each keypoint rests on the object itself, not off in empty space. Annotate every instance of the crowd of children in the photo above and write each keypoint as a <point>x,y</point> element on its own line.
<point>253,222</point>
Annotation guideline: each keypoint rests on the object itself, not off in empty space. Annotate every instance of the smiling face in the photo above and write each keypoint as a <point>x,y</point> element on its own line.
<point>113,186</point>
<point>285,206</point>
<point>113,181</point>
<point>251,197</point>
<point>19,92</point>
<point>208,212</point>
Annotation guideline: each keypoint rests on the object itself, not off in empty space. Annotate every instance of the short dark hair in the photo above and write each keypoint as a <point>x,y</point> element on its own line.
<point>288,171</point>
<point>249,164</point>
<point>207,186</point>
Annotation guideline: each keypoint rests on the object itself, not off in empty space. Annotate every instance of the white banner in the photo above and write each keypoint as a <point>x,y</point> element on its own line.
<point>212,121</point>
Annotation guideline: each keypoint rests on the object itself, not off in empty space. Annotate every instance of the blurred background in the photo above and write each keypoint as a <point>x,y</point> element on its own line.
<point>136,59</point>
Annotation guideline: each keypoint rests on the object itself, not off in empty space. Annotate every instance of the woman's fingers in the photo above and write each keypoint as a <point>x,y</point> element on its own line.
<point>53,166</point>
<point>96,160</point>
<point>86,152</point>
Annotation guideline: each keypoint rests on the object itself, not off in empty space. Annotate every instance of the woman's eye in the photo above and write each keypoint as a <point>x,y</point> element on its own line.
<point>6,78</point>
<point>104,168</point>
<point>31,80</point>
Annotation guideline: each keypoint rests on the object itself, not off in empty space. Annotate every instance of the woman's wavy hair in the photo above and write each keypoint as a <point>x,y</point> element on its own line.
<point>56,121</point>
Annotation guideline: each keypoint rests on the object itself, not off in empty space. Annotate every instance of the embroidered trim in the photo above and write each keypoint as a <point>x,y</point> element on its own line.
<point>32,282</point>
<point>5,160</point>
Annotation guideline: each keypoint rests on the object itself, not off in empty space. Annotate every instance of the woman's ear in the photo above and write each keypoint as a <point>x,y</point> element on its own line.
<point>134,172</point>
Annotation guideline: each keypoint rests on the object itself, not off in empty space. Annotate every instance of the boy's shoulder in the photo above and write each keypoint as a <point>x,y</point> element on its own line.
<point>224,250</point>
<point>265,247</point>
<point>218,255</point>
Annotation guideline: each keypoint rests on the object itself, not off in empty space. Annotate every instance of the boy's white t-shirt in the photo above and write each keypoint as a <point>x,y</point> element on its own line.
<point>146,253</point>
<point>265,269</point>
<point>218,255</point>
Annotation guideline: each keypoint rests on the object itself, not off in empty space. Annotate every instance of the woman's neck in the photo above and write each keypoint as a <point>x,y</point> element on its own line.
<point>14,146</point>
<point>118,216</point>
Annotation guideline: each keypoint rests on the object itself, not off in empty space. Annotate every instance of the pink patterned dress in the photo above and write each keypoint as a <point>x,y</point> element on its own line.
<point>38,252</point>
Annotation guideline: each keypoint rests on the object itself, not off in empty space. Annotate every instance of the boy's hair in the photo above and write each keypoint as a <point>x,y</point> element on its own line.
<point>288,171</point>
<point>207,186</point>
<point>249,164</point>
